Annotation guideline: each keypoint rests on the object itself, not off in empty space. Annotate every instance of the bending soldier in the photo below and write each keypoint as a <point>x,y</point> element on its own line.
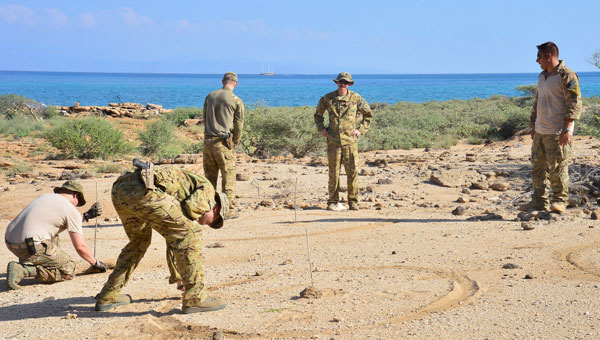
<point>174,202</point>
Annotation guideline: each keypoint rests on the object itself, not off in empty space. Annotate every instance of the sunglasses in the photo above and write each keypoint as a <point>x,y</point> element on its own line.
<point>343,82</point>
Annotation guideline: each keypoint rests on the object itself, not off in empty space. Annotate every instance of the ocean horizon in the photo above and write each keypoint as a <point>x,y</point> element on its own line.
<point>173,90</point>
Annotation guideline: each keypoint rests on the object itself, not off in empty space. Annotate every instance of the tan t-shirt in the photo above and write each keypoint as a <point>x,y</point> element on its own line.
<point>43,219</point>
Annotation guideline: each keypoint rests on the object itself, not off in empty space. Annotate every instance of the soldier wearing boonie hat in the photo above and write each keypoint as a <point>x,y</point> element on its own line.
<point>33,236</point>
<point>343,108</point>
<point>223,117</point>
<point>175,204</point>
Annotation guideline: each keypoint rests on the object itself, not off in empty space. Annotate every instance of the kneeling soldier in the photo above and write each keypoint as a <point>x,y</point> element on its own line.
<point>33,237</point>
<point>174,202</point>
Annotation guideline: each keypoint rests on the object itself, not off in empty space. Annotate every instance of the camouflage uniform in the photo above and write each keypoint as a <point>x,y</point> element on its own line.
<point>223,113</point>
<point>342,147</point>
<point>172,209</point>
<point>549,158</point>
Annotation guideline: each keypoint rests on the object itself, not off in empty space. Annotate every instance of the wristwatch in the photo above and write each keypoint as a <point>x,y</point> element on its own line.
<point>564,130</point>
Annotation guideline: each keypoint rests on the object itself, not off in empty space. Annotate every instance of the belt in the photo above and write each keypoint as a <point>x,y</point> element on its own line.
<point>22,245</point>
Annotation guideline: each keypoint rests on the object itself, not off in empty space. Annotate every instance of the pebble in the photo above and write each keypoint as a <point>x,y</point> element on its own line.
<point>527,226</point>
<point>218,335</point>
<point>510,266</point>
<point>458,211</point>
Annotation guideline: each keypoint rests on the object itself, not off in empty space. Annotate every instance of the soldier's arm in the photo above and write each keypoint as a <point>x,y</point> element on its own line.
<point>365,110</point>
<point>238,122</point>
<point>197,203</point>
<point>319,114</point>
<point>570,82</point>
<point>204,115</point>
<point>533,115</point>
<point>81,247</point>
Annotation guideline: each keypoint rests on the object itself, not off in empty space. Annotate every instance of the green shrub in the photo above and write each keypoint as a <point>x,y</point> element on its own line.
<point>110,168</point>
<point>180,114</point>
<point>87,138</point>
<point>281,130</point>
<point>157,140</point>
<point>20,127</point>
<point>14,106</point>
<point>18,168</point>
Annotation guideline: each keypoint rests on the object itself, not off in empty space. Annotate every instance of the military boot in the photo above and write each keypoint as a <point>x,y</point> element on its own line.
<point>533,206</point>
<point>104,305</point>
<point>354,206</point>
<point>558,207</point>
<point>207,305</point>
<point>15,272</point>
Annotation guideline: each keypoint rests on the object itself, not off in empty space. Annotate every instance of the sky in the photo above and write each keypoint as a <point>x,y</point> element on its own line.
<point>295,37</point>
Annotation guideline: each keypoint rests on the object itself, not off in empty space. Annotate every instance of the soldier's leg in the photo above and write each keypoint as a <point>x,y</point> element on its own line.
<point>539,174</point>
<point>185,240</point>
<point>350,157</point>
<point>209,163</point>
<point>140,237</point>
<point>558,168</point>
<point>225,159</point>
<point>334,156</point>
<point>52,263</point>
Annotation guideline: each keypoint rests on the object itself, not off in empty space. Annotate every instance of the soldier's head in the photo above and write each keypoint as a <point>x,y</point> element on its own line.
<point>547,56</point>
<point>73,191</point>
<point>343,81</point>
<point>219,212</point>
<point>230,80</point>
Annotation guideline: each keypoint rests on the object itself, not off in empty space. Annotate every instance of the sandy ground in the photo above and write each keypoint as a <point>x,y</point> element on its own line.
<point>403,267</point>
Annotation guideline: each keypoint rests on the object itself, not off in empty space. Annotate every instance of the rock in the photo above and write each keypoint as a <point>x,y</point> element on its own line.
<point>71,316</point>
<point>151,106</point>
<point>576,201</point>
<point>527,226</point>
<point>487,217</point>
<point>191,122</point>
<point>216,245</point>
<point>479,185</point>
<point>365,172</point>
<point>510,266</point>
<point>524,216</point>
<point>186,158</point>
<point>218,335</point>
<point>594,215</point>
<point>580,190</point>
<point>466,191</point>
<point>242,177</point>
<point>337,319</point>
<point>384,181</point>
<point>544,215</point>
<point>369,188</point>
<point>528,277</point>
<point>461,200</point>
<point>458,211</point>
<point>311,292</point>
<point>266,203</point>
<point>259,273</point>
<point>454,178</point>
<point>286,262</point>
<point>500,186</point>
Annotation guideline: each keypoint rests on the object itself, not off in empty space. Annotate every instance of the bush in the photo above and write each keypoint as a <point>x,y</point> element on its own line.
<point>18,168</point>
<point>110,168</point>
<point>20,128</point>
<point>157,140</point>
<point>14,106</point>
<point>281,130</point>
<point>87,138</point>
<point>180,114</point>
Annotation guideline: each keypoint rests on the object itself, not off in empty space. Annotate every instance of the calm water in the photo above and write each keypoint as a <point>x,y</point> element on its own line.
<point>174,90</point>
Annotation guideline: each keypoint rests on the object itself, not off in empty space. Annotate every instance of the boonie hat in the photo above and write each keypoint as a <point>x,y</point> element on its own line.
<point>344,76</point>
<point>72,186</point>
<point>224,212</point>
<point>230,76</point>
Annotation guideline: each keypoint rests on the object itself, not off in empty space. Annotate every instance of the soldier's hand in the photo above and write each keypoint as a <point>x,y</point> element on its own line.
<point>323,133</point>
<point>564,138</point>
<point>100,266</point>
<point>355,133</point>
<point>94,211</point>
<point>532,133</point>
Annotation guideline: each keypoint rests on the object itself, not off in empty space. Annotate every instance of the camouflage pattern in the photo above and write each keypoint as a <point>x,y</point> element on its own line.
<point>73,186</point>
<point>344,76</point>
<point>550,162</point>
<point>343,113</point>
<point>347,155</point>
<point>216,156</point>
<point>223,113</point>
<point>51,262</point>
<point>172,209</point>
<point>572,94</point>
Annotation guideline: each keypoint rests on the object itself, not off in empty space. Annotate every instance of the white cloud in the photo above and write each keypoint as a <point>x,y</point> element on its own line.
<point>17,14</point>
<point>117,17</point>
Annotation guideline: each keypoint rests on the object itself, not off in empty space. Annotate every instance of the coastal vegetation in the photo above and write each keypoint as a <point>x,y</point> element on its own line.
<point>272,131</point>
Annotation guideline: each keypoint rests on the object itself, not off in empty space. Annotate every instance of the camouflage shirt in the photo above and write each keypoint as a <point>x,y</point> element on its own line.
<point>343,116</point>
<point>557,97</point>
<point>223,112</point>
<point>196,194</point>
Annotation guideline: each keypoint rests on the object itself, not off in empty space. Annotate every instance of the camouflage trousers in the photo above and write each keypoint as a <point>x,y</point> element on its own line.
<point>51,262</point>
<point>142,211</point>
<point>550,164</point>
<point>216,156</point>
<point>338,155</point>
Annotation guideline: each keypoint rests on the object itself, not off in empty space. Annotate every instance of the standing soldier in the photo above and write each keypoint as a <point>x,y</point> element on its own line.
<point>33,237</point>
<point>223,124</point>
<point>343,107</point>
<point>557,104</point>
<point>174,202</point>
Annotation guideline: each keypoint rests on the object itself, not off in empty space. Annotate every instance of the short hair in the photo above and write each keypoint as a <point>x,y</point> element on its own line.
<point>548,47</point>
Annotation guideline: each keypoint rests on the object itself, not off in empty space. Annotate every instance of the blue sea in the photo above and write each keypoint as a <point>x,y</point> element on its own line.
<point>175,90</point>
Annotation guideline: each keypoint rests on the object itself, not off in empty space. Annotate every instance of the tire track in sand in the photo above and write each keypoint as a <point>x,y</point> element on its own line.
<point>575,257</point>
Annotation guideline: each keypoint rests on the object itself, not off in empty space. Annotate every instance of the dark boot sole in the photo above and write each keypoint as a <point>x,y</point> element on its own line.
<point>10,277</point>
<point>190,310</point>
